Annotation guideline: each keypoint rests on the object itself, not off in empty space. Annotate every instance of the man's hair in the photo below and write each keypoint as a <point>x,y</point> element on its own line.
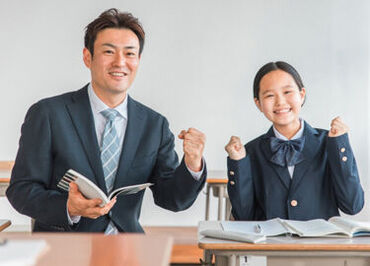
<point>275,66</point>
<point>112,18</point>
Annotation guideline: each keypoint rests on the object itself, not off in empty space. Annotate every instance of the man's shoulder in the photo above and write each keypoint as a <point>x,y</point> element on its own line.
<point>64,97</point>
<point>54,104</point>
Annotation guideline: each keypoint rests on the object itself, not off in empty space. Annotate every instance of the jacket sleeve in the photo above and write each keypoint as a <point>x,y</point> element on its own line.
<point>240,188</point>
<point>174,187</point>
<point>344,173</point>
<point>29,191</point>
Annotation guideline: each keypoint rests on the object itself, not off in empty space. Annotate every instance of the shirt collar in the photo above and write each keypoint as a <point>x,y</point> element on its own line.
<point>98,105</point>
<point>296,136</point>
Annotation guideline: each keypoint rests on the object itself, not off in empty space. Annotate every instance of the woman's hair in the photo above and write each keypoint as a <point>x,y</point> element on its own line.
<point>271,67</point>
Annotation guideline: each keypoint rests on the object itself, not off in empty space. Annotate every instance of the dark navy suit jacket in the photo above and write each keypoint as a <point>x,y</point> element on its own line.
<point>327,180</point>
<point>59,133</point>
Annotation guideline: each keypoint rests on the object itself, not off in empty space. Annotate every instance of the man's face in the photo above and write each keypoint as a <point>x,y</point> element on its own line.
<point>115,61</point>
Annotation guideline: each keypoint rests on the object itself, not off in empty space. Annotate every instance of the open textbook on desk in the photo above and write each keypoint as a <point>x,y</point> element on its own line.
<point>257,231</point>
<point>92,191</point>
<point>335,227</point>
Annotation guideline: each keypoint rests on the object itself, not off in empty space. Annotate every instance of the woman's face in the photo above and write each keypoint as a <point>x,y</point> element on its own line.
<point>280,99</point>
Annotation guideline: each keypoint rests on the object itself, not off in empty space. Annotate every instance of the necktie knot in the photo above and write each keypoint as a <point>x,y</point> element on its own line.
<point>287,152</point>
<point>109,114</point>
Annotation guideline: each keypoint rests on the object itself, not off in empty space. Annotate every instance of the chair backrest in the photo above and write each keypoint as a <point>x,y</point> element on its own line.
<point>6,165</point>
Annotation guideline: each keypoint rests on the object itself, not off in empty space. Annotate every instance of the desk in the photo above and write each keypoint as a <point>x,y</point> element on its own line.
<point>97,249</point>
<point>5,172</point>
<point>218,183</point>
<point>285,251</point>
<point>4,224</point>
<point>4,183</point>
<point>185,248</point>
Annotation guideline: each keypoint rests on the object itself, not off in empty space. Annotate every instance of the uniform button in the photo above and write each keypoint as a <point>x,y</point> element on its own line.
<point>232,183</point>
<point>344,159</point>
<point>231,173</point>
<point>342,149</point>
<point>294,203</point>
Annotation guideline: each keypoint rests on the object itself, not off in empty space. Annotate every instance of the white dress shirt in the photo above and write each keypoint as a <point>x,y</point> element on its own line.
<point>296,136</point>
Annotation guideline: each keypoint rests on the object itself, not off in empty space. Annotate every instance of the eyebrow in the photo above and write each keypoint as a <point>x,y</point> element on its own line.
<point>287,86</point>
<point>266,92</point>
<point>114,46</point>
<point>284,87</point>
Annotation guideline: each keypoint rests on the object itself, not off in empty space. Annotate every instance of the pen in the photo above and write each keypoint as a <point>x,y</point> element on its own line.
<point>258,228</point>
<point>3,241</point>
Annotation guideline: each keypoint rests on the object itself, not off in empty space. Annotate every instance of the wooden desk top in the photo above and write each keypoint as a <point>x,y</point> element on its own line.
<point>291,244</point>
<point>5,180</point>
<point>215,181</point>
<point>98,249</point>
<point>4,224</point>
<point>185,242</point>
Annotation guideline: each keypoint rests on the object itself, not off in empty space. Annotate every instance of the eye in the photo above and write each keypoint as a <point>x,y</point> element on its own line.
<point>288,92</point>
<point>269,95</point>
<point>108,52</point>
<point>131,54</point>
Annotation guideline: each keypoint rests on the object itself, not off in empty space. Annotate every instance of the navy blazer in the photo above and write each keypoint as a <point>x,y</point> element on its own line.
<point>325,181</point>
<point>59,133</point>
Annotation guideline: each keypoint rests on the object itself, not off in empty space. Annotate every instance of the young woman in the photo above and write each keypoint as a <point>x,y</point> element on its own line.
<point>294,171</point>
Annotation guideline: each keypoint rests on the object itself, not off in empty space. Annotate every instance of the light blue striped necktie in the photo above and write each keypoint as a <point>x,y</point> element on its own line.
<point>109,153</point>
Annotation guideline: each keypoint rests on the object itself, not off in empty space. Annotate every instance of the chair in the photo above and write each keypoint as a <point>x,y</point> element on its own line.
<point>218,183</point>
<point>5,172</point>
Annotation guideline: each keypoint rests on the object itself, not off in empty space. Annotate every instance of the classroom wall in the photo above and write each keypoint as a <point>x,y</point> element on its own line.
<point>197,69</point>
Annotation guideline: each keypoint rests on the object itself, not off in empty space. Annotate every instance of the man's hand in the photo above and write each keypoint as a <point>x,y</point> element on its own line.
<point>337,127</point>
<point>193,146</point>
<point>78,205</point>
<point>235,148</point>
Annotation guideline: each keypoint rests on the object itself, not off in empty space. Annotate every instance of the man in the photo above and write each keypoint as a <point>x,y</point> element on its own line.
<point>105,135</point>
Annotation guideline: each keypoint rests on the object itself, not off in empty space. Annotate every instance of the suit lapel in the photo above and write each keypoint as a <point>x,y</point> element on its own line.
<point>133,135</point>
<point>310,149</point>
<point>83,121</point>
<point>281,171</point>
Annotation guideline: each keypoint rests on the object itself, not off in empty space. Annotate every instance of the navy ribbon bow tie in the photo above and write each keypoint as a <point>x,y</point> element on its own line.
<point>287,152</point>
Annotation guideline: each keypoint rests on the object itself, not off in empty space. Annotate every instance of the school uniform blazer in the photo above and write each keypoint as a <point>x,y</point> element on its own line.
<point>59,134</point>
<point>325,181</point>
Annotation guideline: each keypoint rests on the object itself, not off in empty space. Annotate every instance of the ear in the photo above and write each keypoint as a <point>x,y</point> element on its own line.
<point>258,104</point>
<point>302,93</point>
<point>87,57</point>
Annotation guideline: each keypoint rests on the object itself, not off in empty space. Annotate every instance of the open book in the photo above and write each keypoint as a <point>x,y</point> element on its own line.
<point>335,227</point>
<point>92,191</point>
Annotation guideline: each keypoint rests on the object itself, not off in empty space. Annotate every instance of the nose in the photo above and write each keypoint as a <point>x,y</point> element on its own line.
<point>119,59</point>
<point>280,99</point>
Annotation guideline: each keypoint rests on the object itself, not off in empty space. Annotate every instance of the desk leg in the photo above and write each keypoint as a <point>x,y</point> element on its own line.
<point>221,195</point>
<point>207,201</point>
<point>232,260</point>
<point>227,260</point>
<point>207,256</point>
<point>227,209</point>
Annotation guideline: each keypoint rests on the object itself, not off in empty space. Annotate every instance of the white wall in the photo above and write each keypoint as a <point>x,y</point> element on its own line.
<point>197,68</point>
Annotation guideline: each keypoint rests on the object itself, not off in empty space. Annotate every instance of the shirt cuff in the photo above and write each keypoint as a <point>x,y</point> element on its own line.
<point>197,175</point>
<point>72,219</point>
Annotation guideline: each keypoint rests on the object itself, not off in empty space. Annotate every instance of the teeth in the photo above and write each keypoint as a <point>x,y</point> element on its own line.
<point>282,111</point>
<point>117,74</point>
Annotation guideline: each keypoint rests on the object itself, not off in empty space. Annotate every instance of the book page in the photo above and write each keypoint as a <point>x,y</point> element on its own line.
<point>129,190</point>
<point>315,228</point>
<point>22,251</point>
<point>221,234</point>
<point>268,228</point>
<point>354,228</point>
